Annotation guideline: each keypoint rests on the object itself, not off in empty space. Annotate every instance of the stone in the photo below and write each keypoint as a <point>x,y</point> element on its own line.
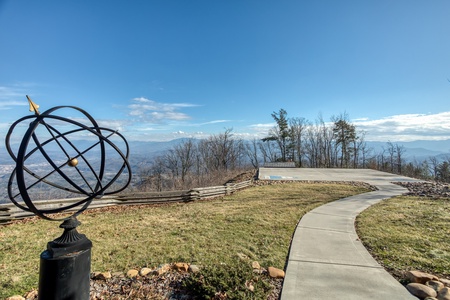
<point>118,274</point>
<point>132,273</point>
<point>162,269</point>
<point>444,294</point>
<point>31,294</point>
<point>249,286</point>
<point>420,290</point>
<point>242,256</point>
<point>145,271</point>
<point>194,269</point>
<point>101,276</point>
<point>15,297</point>
<point>181,267</point>
<point>256,265</point>
<point>435,285</point>
<point>275,273</point>
<point>446,282</point>
<point>420,277</point>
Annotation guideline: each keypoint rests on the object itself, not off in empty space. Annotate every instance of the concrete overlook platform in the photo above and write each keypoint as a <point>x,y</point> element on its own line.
<point>327,260</point>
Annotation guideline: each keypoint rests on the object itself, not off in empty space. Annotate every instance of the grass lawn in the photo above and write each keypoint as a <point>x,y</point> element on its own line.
<point>257,222</point>
<point>406,233</point>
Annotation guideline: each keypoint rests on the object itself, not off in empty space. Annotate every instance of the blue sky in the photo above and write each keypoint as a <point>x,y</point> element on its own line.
<point>159,70</point>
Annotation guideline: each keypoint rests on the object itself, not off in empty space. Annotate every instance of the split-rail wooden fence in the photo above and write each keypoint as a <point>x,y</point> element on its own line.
<point>9,211</point>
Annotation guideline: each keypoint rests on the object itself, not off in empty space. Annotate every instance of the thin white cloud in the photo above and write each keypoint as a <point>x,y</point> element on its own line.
<point>137,129</point>
<point>360,119</point>
<point>196,135</point>
<point>119,125</point>
<point>4,126</point>
<point>261,130</point>
<point>158,113</point>
<point>211,122</point>
<point>6,105</point>
<point>11,96</point>
<point>399,128</point>
<point>7,92</point>
<point>215,122</point>
<point>407,127</point>
<point>156,135</point>
<point>263,125</point>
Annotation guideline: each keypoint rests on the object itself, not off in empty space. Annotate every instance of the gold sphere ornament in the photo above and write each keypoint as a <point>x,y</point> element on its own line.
<point>73,162</point>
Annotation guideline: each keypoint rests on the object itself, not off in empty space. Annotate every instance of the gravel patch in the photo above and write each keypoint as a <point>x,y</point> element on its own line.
<point>433,190</point>
<point>168,286</point>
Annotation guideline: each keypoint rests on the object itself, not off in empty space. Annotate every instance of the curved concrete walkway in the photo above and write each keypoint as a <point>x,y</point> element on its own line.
<point>327,259</point>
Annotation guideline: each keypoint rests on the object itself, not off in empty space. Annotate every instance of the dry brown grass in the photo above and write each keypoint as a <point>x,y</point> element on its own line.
<point>257,222</point>
<point>406,233</point>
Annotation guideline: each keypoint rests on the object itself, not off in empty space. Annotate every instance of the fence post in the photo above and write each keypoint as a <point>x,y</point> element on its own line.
<point>229,188</point>
<point>5,216</point>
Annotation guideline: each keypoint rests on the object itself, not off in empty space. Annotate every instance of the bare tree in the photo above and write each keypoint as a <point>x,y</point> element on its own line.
<point>391,152</point>
<point>298,132</point>
<point>360,150</point>
<point>157,174</point>
<point>381,160</point>
<point>172,164</point>
<point>312,147</point>
<point>399,151</point>
<point>268,151</point>
<point>252,152</point>
<point>395,157</point>
<point>416,169</point>
<point>185,153</point>
<point>319,144</point>
<point>222,151</point>
<point>199,167</point>
<point>433,166</point>
<point>329,152</point>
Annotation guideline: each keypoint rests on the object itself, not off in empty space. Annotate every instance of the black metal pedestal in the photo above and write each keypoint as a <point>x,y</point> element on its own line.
<point>66,265</point>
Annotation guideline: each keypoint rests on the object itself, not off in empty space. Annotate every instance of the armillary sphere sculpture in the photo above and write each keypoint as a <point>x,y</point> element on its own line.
<point>74,155</point>
<point>62,155</point>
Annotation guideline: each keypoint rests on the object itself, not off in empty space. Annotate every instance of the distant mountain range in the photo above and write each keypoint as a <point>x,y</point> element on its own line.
<point>417,150</point>
<point>141,152</point>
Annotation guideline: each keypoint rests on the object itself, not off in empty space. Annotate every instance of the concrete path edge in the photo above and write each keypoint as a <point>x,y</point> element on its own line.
<point>326,259</point>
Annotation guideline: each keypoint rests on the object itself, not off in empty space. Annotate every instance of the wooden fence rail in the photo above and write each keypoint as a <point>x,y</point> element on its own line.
<point>9,211</point>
